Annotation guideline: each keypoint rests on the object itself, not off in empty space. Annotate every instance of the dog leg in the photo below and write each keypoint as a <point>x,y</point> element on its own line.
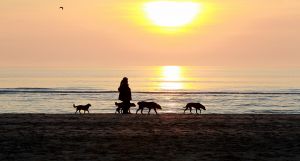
<point>185,109</point>
<point>155,111</point>
<point>190,109</point>
<point>88,111</point>
<point>137,111</point>
<point>142,110</point>
<point>196,111</point>
<point>149,111</point>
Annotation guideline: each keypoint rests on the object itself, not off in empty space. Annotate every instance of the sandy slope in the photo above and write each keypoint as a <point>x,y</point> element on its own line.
<point>149,137</point>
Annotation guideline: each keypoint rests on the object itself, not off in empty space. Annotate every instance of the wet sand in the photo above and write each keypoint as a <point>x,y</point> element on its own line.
<point>149,137</point>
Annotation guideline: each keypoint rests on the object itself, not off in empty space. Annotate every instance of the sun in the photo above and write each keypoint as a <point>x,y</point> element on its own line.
<point>171,13</point>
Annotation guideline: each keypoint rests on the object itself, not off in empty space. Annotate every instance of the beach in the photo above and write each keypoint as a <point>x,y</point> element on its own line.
<point>149,137</point>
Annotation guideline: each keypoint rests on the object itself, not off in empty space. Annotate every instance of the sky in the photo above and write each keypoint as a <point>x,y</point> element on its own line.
<point>93,33</point>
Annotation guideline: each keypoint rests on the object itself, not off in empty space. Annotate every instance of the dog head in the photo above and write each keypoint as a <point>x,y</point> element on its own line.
<point>158,106</point>
<point>199,105</point>
<point>88,105</point>
<point>132,105</point>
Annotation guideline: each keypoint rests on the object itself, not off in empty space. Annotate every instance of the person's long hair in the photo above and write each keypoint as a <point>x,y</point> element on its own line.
<point>124,82</point>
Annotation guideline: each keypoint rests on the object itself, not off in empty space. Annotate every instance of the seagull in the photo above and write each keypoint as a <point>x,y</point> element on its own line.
<point>62,8</point>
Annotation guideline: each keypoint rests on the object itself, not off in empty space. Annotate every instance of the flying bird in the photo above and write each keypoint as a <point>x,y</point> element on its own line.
<point>62,8</point>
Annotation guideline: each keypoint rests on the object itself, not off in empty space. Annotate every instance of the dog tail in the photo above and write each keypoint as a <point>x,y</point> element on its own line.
<point>74,106</point>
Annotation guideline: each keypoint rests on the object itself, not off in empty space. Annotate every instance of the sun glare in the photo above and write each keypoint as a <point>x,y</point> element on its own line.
<point>171,85</point>
<point>171,73</point>
<point>171,13</point>
<point>171,77</point>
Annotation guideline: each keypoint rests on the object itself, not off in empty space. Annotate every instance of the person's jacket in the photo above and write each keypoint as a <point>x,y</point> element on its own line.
<point>124,93</point>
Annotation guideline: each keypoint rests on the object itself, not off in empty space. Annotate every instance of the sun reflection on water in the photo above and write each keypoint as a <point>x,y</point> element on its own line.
<point>171,77</point>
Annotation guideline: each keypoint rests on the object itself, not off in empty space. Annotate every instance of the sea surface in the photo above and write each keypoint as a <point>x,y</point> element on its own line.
<point>221,90</point>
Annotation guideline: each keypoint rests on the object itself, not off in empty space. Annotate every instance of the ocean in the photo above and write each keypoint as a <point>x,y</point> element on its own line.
<point>221,90</point>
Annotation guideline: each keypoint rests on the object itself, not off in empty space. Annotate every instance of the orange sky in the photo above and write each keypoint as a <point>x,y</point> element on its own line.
<point>92,33</point>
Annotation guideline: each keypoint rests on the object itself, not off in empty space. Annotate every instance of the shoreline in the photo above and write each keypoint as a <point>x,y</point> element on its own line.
<point>149,137</point>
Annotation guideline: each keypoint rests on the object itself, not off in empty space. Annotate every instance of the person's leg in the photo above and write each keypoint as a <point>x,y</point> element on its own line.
<point>126,106</point>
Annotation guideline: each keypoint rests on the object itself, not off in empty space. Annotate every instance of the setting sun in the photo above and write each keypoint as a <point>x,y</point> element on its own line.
<point>171,13</point>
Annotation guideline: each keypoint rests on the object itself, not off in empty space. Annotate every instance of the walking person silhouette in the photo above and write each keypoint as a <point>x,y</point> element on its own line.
<point>125,95</point>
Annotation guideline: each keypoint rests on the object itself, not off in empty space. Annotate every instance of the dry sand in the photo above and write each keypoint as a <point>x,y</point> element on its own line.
<point>105,137</point>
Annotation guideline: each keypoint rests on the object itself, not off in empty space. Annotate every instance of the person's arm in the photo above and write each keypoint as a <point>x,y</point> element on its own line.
<point>130,94</point>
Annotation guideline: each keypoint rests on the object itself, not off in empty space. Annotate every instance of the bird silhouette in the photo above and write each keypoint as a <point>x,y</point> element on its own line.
<point>62,8</point>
